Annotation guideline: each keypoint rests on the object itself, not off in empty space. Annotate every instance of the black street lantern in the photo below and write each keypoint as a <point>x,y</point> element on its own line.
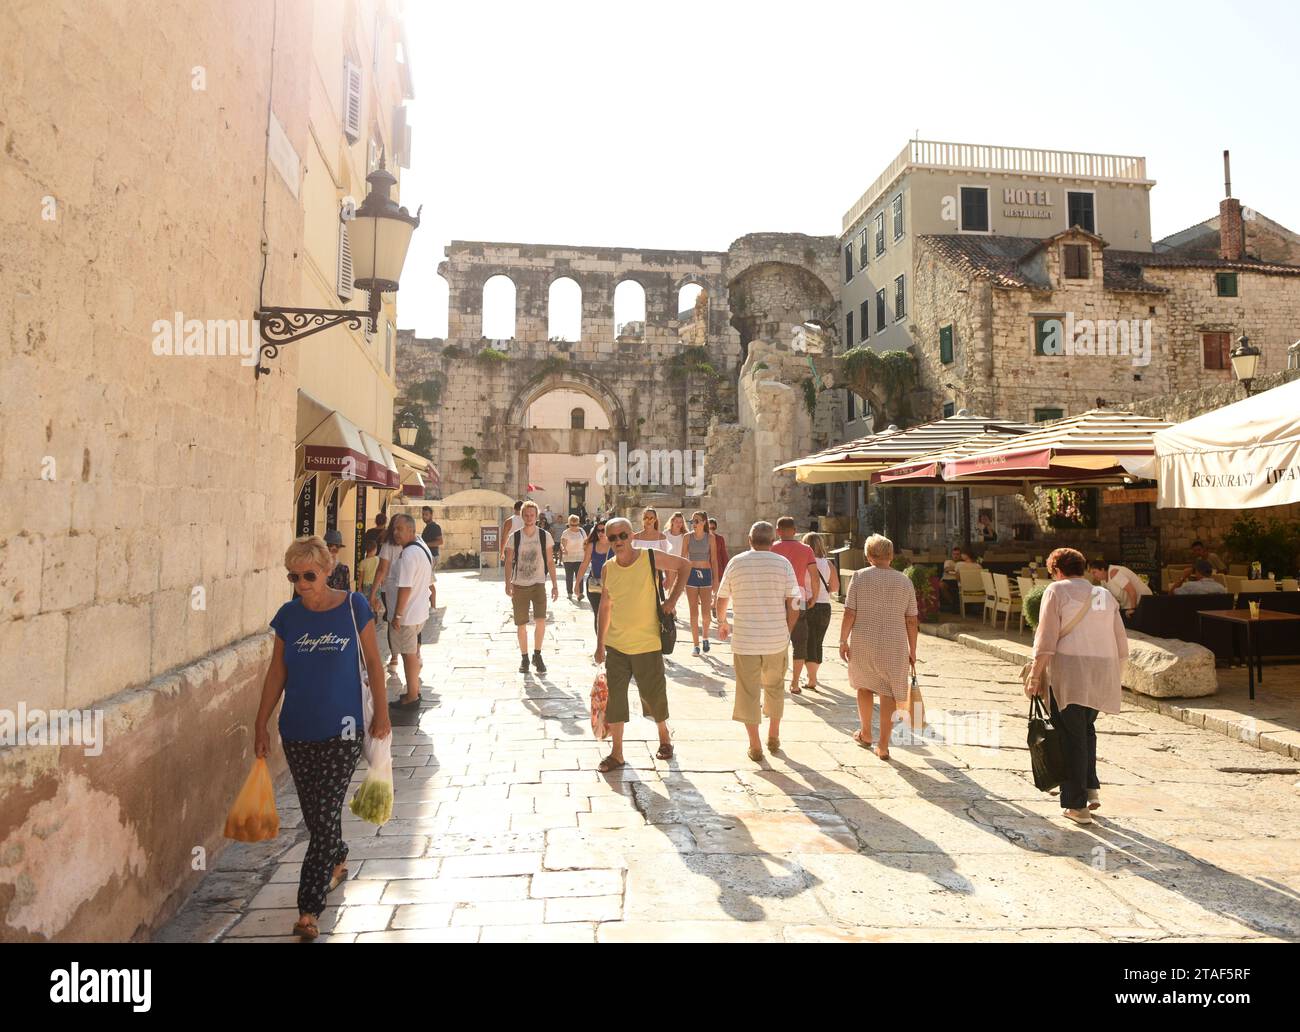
<point>407,430</point>
<point>379,236</point>
<point>1245,359</point>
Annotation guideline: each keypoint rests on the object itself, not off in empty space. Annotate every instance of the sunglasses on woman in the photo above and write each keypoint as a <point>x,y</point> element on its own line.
<point>309,576</point>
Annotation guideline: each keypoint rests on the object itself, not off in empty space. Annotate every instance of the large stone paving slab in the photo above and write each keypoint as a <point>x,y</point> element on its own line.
<point>503,830</point>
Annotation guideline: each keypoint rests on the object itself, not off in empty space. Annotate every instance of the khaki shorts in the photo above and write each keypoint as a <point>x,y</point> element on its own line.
<point>406,639</point>
<point>648,669</point>
<point>759,677</point>
<point>522,596</point>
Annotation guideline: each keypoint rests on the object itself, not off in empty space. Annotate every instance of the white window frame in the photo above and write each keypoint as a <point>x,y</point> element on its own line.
<point>897,215</point>
<point>988,199</point>
<point>1096,222</point>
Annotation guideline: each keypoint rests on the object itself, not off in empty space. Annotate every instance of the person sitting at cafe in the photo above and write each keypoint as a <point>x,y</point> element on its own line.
<point>1199,581</point>
<point>1123,583</point>
<point>950,583</point>
<point>1201,554</point>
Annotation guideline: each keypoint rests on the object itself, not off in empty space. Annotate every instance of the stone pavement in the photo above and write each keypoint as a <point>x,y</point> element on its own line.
<point>504,831</point>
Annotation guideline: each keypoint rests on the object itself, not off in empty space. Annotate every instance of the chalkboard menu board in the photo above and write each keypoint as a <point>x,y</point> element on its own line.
<point>1139,550</point>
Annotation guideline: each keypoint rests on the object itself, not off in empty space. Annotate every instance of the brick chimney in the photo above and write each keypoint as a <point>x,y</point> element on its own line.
<point>1232,233</point>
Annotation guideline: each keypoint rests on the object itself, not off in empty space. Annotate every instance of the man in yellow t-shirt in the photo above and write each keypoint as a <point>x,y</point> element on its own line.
<point>628,637</point>
<point>367,568</point>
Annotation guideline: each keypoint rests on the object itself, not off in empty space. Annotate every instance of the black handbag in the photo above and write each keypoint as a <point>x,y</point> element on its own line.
<point>667,624</point>
<point>1046,748</point>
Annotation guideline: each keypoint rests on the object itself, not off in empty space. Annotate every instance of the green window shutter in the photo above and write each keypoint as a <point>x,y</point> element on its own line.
<point>1226,284</point>
<point>1042,415</point>
<point>1049,329</point>
<point>945,344</point>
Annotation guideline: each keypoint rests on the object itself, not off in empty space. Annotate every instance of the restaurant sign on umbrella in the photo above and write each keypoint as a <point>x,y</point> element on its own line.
<point>1242,456</point>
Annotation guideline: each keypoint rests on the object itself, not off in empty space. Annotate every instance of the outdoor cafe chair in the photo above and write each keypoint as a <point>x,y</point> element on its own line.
<point>990,597</point>
<point>971,587</point>
<point>1290,584</point>
<point>1004,599</point>
<point>1026,585</point>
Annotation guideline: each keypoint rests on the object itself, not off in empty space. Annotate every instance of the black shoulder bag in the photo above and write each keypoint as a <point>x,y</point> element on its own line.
<point>1046,750</point>
<point>667,625</point>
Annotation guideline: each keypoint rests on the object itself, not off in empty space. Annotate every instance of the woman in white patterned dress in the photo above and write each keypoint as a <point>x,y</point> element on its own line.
<point>878,639</point>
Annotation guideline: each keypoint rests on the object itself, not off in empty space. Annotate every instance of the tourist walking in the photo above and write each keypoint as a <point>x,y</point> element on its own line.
<point>376,534</point>
<point>650,536</point>
<point>763,592</point>
<point>804,563</point>
<point>572,545</point>
<point>529,561</point>
<point>700,549</point>
<point>386,587</point>
<point>412,595</point>
<point>367,568</point>
<point>627,637</point>
<point>1079,653</point>
<point>817,615</point>
<point>878,639</point>
<point>721,543</point>
<point>512,523</point>
<point>321,638</point>
<point>340,574</point>
<point>595,552</point>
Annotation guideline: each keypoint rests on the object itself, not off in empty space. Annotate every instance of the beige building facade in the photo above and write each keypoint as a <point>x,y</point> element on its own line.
<point>148,476</point>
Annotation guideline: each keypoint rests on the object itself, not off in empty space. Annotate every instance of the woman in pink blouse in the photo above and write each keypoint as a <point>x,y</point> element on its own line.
<point>1079,651</point>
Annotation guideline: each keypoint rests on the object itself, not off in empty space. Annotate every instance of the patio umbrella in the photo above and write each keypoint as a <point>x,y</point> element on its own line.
<point>858,460</point>
<point>1242,456</point>
<point>1093,447</point>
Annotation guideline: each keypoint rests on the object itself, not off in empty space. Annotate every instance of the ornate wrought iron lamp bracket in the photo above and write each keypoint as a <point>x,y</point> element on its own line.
<point>280,326</point>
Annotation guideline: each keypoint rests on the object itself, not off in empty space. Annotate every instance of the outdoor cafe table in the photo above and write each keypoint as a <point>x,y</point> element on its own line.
<point>1242,618</point>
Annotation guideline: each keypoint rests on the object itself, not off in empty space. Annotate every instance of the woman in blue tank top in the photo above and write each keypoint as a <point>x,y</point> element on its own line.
<point>595,552</point>
<point>321,639</point>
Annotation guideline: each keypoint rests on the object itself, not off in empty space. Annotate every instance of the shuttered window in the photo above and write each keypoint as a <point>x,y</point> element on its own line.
<point>862,248</point>
<point>863,326</point>
<point>945,344</point>
<point>344,278</point>
<point>900,298</point>
<point>949,409</point>
<point>898,217</point>
<point>880,234</point>
<point>1049,335</point>
<point>1225,284</point>
<point>1077,260</point>
<point>848,261</point>
<point>351,102</point>
<point>1043,415</point>
<point>882,318</point>
<point>848,330</point>
<point>1216,348</point>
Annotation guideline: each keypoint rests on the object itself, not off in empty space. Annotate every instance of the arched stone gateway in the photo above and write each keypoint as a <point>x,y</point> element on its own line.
<point>662,382</point>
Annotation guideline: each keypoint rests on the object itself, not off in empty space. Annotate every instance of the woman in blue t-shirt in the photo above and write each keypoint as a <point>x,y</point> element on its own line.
<point>596,551</point>
<point>316,666</point>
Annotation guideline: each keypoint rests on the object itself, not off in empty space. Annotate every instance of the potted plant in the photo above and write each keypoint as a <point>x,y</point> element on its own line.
<point>925,582</point>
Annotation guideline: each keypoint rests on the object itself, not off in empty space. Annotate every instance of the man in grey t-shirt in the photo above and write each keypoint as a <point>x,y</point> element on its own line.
<point>1201,581</point>
<point>528,559</point>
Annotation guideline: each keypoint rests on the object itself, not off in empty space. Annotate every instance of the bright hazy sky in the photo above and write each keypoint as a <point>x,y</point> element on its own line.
<point>686,125</point>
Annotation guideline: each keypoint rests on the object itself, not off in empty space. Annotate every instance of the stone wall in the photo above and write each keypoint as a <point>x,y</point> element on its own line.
<point>147,497</point>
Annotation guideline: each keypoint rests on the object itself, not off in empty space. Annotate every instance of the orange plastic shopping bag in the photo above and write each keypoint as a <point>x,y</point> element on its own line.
<point>253,818</point>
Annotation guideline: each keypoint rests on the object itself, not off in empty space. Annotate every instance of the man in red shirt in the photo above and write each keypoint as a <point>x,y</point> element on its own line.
<point>801,557</point>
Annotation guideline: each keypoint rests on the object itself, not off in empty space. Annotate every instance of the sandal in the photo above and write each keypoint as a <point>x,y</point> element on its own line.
<point>339,876</point>
<point>857,737</point>
<point>665,752</point>
<point>756,755</point>
<point>609,763</point>
<point>882,755</point>
<point>813,687</point>
<point>795,690</point>
<point>773,745</point>
<point>306,928</point>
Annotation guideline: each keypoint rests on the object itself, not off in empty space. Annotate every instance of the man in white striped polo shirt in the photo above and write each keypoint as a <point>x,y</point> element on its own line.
<point>762,589</point>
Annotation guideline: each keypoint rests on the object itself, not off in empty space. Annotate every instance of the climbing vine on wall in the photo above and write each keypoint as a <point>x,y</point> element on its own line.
<point>884,378</point>
<point>810,395</point>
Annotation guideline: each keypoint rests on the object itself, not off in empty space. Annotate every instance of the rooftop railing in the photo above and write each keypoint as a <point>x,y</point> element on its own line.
<point>978,157</point>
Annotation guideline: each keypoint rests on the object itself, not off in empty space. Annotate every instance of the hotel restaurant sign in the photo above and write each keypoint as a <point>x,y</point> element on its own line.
<point>1027,204</point>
